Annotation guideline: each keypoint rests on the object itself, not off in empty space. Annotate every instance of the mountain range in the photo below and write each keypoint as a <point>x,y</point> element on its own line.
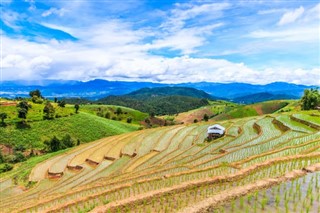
<point>97,89</point>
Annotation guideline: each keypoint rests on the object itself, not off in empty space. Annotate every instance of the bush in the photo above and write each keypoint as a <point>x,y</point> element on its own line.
<point>107,115</point>
<point>19,157</point>
<point>5,167</point>
<point>55,144</point>
<point>15,158</point>
<point>37,100</point>
<point>129,120</point>
<point>48,111</point>
<point>61,103</point>
<point>67,141</point>
<point>20,148</point>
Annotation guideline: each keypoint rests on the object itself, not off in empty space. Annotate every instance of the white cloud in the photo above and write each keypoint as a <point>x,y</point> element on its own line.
<point>302,34</point>
<point>54,11</point>
<point>291,16</point>
<point>185,40</point>
<point>74,61</point>
<point>114,49</point>
<point>178,16</point>
<point>10,18</point>
<point>271,11</point>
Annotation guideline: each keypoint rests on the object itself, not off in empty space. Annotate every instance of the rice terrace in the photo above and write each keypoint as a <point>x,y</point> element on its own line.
<point>174,169</point>
<point>159,106</point>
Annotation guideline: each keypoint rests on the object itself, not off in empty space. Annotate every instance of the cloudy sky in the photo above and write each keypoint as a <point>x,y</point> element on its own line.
<point>253,41</point>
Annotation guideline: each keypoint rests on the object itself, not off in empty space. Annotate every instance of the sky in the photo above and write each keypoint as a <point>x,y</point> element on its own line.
<point>166,41</point>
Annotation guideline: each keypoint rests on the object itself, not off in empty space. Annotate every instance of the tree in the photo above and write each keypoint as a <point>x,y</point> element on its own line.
<point>107,115</point>
<point>22,113</point>
<point>53,145</point>
<point>61,103</point>
<point>195,121</point>
<point>36,93</point>
<point>119,111</point>
<point>129,120</point>
<point>5,167</point>
<point>205,117</point>
<point>152,114</point>
<point>1,157</point>
<point>67,141</point>
<point>3,116</point>
<point>310,99</point>
<point>24,105</point>
<point>76,106</point>
<point>48,111</point>
<point>55,99</point>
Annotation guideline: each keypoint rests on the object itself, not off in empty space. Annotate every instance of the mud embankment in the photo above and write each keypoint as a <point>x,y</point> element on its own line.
<point>208,204</point>
<point>131,202</point>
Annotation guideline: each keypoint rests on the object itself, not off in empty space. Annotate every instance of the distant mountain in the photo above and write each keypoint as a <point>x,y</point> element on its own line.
<point>145,93</point>
<point>263,96</point>
<point>234,90</point>
<point>97,89</point>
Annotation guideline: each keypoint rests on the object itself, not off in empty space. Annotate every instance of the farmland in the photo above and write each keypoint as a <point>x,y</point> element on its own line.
<point>170,169</point>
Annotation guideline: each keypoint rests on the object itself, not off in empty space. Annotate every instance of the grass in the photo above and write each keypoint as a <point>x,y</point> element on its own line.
<point>35,113</point>
<point>262,108</point>
<point>101,110</point>
<point>83,126</point>
<point>215,107</point>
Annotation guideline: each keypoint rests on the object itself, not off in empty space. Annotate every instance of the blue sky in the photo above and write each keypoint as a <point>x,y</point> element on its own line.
<point>167,41</point>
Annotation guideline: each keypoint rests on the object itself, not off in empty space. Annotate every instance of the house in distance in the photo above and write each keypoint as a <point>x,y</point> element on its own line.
<point>215,131</point>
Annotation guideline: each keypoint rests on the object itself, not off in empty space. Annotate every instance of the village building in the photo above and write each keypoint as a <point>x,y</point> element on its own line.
<point>215,131</point>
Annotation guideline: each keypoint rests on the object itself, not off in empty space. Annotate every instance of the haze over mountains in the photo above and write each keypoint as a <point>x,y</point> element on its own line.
<point>96,89</point>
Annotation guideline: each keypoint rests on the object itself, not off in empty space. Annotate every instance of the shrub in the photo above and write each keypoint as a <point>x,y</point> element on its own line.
<point>205,117</point>
<point>129,120</point>
<point>107,115</point>
<point>61,103</point>
<point>67,141</point>
<point>48,111</point>
<point>5,167</point>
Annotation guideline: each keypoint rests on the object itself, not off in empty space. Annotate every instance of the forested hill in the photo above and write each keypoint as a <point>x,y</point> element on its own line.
<point>158,105</point>
<point>145,93</point>
<point>161,100</point>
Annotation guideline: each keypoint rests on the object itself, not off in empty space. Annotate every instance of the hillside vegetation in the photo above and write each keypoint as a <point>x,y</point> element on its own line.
<point>171,169</point>
<point>159,105</point>
<point>82,126</point>
<point>262,97</point>
<point>213,109</point>
<point>118,113</point>
<point>145,93</point>
<point>253,109</point>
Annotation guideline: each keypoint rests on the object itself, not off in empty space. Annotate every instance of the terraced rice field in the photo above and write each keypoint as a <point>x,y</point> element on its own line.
<point>173,169</point>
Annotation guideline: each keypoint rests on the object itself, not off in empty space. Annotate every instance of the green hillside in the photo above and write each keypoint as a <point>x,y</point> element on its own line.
<point>110,111</point>
<point>35,113</point>
<point>253,109</point>
<point>214,108</point>
<point>83,126</point>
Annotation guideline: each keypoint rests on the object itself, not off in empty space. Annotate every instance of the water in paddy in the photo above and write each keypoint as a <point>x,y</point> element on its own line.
<point>300,195</point>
